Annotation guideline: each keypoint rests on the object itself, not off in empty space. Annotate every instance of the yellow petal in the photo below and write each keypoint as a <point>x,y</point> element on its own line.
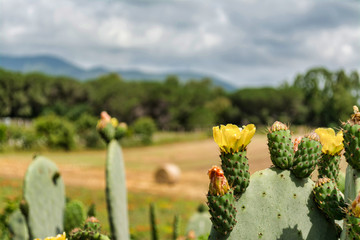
<point>331,144</point>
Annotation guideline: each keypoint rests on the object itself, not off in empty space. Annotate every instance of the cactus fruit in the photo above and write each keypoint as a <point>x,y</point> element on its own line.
<point>74,215</point>
<point>109,128</point>
<point>236,168</point>
<point>329,198</point>
<point>351,131</point>
<point>353,227</point>
<point>90,231</point>
<point>306,157</point>
<point>44,193</point>
<point>17,226</point>
<point>232,142</point>
<point>332,145</point>
<point>277,205</point>
<point>116,195</point>
<point>280,145</point>
<point>199,222</point>
<point>221,202</point>
<point>154,232</point>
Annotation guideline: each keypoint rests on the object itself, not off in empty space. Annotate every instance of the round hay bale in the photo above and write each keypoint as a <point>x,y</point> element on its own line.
<point>168,173</point>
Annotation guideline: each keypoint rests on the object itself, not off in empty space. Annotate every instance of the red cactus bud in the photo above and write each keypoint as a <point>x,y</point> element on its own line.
<point>218,182</point>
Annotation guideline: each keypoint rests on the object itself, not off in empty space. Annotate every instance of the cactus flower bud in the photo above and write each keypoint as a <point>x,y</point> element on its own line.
<point>296,143</point>
<point>355,207</point>
<point>92,223</point>
<point>218,183</point>
<point>58,237</point>
<point>331,144</point>
<point>277,126</point>
<point>231,138</point>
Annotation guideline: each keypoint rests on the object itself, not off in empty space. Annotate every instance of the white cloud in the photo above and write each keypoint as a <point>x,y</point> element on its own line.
<point>241,40</point>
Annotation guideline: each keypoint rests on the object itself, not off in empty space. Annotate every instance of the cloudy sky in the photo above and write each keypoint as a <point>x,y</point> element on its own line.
<point>246,42</point>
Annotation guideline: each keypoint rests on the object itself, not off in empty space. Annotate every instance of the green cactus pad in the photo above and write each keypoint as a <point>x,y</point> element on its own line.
<point>277,205</point>
<point>352,144</point>
<point>306,157</point>
<point>329,198</point>
<point>199,223</point>
<point>281,148</point>
<point>328,166</point>
<point>352,184</point>
<point>236,171</point>
<point>17,226</point>
<point>223,212</point>
<point>353,228</point>
<point>116,194</point>
<point>75,215</point>
<point>44,193</point>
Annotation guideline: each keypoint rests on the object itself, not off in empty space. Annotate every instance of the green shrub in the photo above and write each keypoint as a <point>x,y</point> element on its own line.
<point>86,130</point>
<point>144,128</point>
<point>21,137</point>
<point>56,132</point>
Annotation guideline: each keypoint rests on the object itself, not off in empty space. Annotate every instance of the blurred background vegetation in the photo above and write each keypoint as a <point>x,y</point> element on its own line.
<point>59,112</point>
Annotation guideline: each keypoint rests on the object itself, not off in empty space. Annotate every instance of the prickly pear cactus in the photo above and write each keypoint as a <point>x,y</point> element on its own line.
<point>44,195</point>
<point>278,205</point>
<point>280,145</point>
<point>329,198</point>
<point>232,142</point>
<point>332,145</point>
<point>306,157</point>
<point>90,231</point>
<point>17,226</point>
<point>221,202</point>
<point>199,223</point>
<point>75,215</point>
<point>116,194</point>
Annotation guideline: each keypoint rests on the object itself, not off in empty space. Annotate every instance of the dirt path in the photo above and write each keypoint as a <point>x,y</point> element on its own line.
<point>193,158</point>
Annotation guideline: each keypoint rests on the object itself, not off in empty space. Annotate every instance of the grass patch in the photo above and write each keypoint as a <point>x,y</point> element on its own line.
<point>138,205</point>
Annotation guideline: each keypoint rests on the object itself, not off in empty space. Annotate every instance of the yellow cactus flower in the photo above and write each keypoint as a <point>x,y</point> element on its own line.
<point>58,237</point>
<point>231,138</point>
<point>331,144</point>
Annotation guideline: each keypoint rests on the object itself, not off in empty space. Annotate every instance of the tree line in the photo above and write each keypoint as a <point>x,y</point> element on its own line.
<point>318,97</point>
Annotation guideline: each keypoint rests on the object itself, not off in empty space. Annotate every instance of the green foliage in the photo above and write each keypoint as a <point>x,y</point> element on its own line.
<point>85,129</point>
<point>144,128</point>
<point>11,206</point>
<point>57,132</point>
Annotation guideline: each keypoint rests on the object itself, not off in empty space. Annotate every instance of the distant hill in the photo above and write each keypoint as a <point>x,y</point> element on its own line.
<point>56,66</point>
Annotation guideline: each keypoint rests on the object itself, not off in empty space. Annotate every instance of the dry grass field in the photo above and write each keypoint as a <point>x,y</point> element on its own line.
<point>83,173</point>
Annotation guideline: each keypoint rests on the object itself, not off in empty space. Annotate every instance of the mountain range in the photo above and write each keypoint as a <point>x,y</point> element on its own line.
<point>57,66</point>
